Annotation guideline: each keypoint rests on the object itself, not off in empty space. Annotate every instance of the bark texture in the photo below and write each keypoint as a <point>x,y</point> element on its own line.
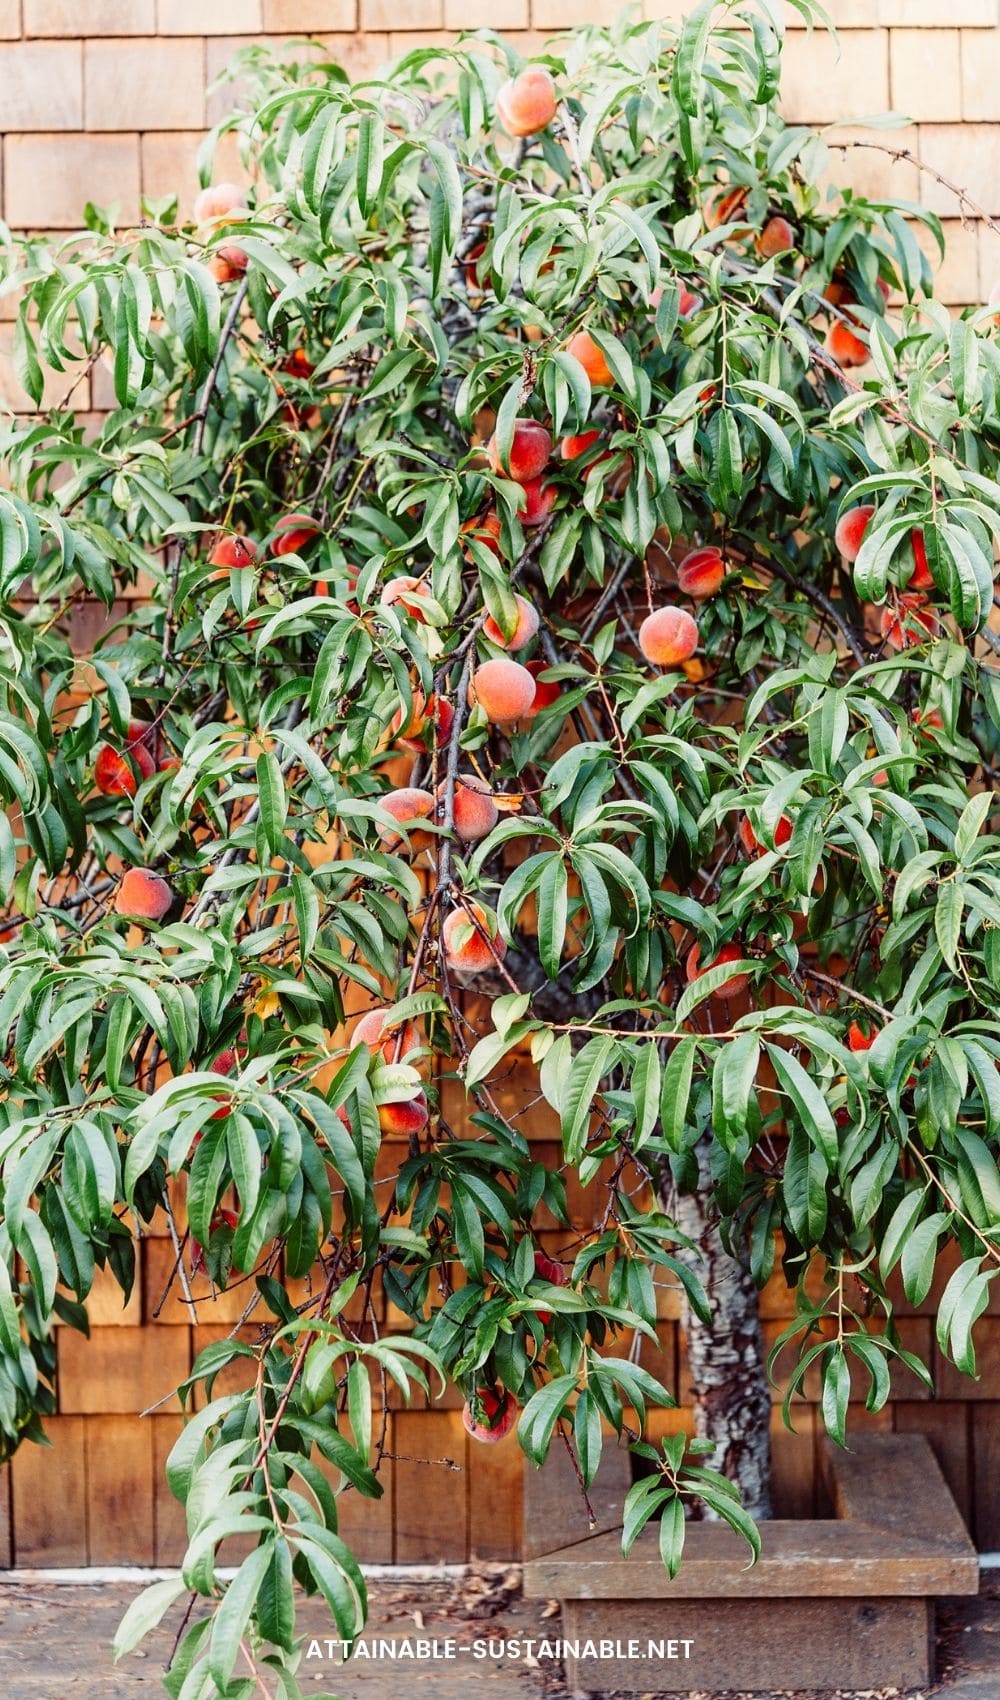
<point>732,1402</point>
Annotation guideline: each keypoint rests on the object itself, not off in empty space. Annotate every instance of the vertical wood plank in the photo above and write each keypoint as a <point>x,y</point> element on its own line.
<point>431,1500</point>
<point>49,1497</point>
<point>119,1475</point>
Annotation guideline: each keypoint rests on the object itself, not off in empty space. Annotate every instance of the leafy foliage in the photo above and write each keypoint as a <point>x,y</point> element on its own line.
<point>744,900</point>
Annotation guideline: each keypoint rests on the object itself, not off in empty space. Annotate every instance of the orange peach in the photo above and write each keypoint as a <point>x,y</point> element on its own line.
<point>752,844</point>
<point>408,592</point>
<point>468,943</point>
<point>571,448</point>
<point>701,572</point>
<point>395,1040</point>
<point>113,774</point>
<point>524,631</point>
<point>687,303</point>
<point>219,202</point>
<point>503,689</point>
<point>530,452</point>
<point>547,691</point>
<point>850,532</point>
<point>777,237</point>
<point>230,550</point>
<point>527,103</point>
<point>437,712</point>
<point>143,896</point>
<point>485,529</point>
<point>859,1039</point>
<point>585,351</point>
<point>729,953</point>
<point>910,622</point>
<point>668,636</point>
<point>475,813</point>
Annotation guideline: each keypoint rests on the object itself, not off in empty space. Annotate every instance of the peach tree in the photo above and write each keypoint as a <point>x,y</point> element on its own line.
<point>567,527</point>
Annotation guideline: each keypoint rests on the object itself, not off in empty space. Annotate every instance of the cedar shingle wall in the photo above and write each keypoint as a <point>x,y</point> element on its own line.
<point>106,100</point>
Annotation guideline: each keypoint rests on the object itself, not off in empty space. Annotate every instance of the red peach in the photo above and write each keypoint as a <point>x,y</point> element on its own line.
<point>227,270</point>
<point>585,351</point>
<point>143,896</point>
<point>686,302</point>
<point>230,550</point>
<point>113,775</point>
<point>485,529</point>
<point>777,237</point>
<point>850,532</point>
<point>909,623</point>
<point>927,721</point>
<point>408,592</point>
<point>524,631</point>
<point>547,1269</point>
<point>921,577</point>
<point>292,534</point>
<point>469,946</point>
<point>701,572</point>
<point>530,452</point>
<point>503,689</point>
<point>402,1120</point>
<point>495,1416</point>
<point>437,710</point>
<point>475,813</point>
<point>846,348</point>
<point>539,500</point>
<point>395,1041</point>
<point>527,103</point>
<point>547,691</point>
<point>571,448</point>
<point>729,953</point>
<point>668,636</point>
<point>858,1039</point>
<point>752,844</point>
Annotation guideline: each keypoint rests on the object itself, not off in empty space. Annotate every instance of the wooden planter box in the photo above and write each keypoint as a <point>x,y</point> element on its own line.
<point>838,1603</point>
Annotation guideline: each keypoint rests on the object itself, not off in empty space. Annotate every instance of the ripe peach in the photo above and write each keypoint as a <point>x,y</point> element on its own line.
<point>113,773</point>
<point>530,452</point>
<point>668,636</point>
<point>222,1219</point>
<point>858,1039</point>
<point>231,550</point>
<point>395,1040</point>
<point>752,844</point>
<point>225,270</point>
<point>729,953</point>
<point>927,721</point>
<point>547,1269</point>
<point>910,622</point>
<point>503,689</point>
<point>408,592</point>
<point>297,364</point>
<point>475,812</point>
<point>143,896</point>
<point>777,237</point>
<point>527,103</point>
<point>921,577</point>
<point>701,572</point>
<point>219,202</point>
<point>585,351</point>
<point>524,631</point>
<point>224,1063</point>
<point>408,805</point>
<point>292,534</point>
<point>474,281</point>
<point>489,1417</point>
<point>687,303</point>
<point>725,207</point>
<point>402,1120</point>
<point>539,500</point>
<point>485,529</point>
<point>571,448</point>
<point>547,691</point>
<point>437,711</point>
<point>846,348</point>
<point>850,532</point>
<point>469,946</point>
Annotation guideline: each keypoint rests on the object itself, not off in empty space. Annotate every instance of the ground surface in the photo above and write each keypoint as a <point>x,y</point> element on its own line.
<point>55,1640</point>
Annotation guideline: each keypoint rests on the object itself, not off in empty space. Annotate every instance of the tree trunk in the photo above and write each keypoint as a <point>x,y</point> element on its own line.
<point>732,1404</point>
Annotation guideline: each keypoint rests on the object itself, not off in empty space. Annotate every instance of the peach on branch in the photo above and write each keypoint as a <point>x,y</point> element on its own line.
<point>586,352</point>
<point>228,263</point>
<point>408,805</point>
<point>219,202</point>
<point>668,636</point>
<point>527,103</point>
<point>408,592</point>
<point>113,769</point>
<point>860,1038</point>
<point>143,895</point>
<point>846,348</point>
<point>539,500</point>
<point>224,1063</point>
<point>687,303</point>
<point>547,1269</point>
<point>850,532</point>
<point>752,844</point>
<point>404,1119</point>
<point>293,533</point>
<point>921,577</point>
<point>475,812</point>
<point>777,237</point>
<point>524,630</point>
<point>571,448</point>
<point>436,711</point>
<point>547,691</point>
<point>484,529</point>
<point>530,451</point>
<point>230,551</point>
<point>470,945</point>
<point>911,621</point>
<point>927,722</point>
<point>729,953</point>
<point>503,689</point>
<point>701,572</point>
<point>489,1416</point>
<point>395,1040</point>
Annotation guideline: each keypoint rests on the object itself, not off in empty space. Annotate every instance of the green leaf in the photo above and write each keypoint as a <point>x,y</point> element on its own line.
<point>145,1613</point>
<point>234,1612</point>
<point>540,1415</point>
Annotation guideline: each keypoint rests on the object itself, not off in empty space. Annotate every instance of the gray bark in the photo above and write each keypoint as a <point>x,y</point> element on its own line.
<point>732,1404</point>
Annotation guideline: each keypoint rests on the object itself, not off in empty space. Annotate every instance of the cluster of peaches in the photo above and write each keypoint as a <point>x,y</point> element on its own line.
<point>911,618</point>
